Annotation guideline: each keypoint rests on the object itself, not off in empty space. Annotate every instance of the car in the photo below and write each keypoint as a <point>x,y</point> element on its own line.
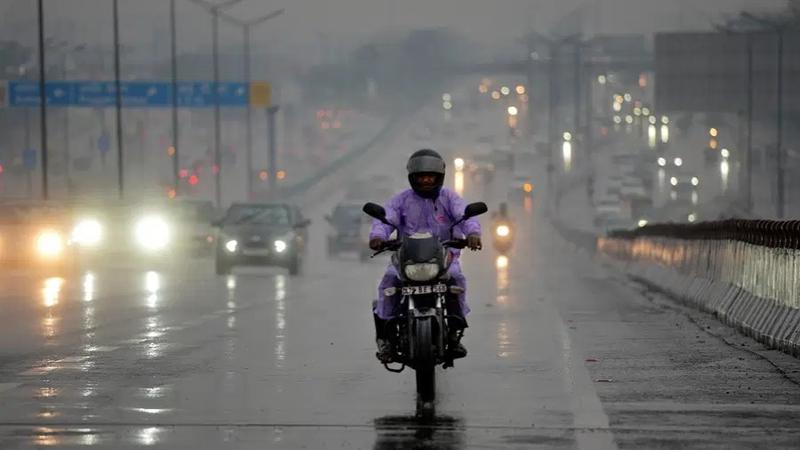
<point>142,232</point>
<point>683,189</point>
<point>520,187</point>
<point>265,234</point>
<point>349,230</point>
<point>36,236</point>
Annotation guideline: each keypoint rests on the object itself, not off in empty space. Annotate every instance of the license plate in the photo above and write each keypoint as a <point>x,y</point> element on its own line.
<point>255,252</point>
<point>421,290</point>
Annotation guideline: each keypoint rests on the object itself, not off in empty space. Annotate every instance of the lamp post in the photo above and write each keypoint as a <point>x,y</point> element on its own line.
<point>118,103</point>
<point>246,28</point>
<point>779,28</point>
<point>174,79</point>
<point>42,102</point>
<point>214,10</point>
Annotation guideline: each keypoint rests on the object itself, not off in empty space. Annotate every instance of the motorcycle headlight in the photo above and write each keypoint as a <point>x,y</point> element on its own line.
<point>503,230</point>
<point>232,245</point>
<point>152,233</point>
<point>422,272</point>
<point>87,233</point>
<point>49,244</point>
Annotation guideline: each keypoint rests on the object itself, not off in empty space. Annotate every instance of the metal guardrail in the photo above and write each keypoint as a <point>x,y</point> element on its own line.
<point>761,257</point>
<point>767,233</point>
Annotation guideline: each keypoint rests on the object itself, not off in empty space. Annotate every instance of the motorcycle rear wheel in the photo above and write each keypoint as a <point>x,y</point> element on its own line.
<point>425,360</point>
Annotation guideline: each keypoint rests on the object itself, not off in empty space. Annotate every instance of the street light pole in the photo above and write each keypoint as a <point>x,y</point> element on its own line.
<point>779,137</point>
<point>246,27</point>
<point>779,29</point>
<point>215,9</point>
<point>248,112</point>
<point>749,150</point>
<point>118,103</point>
<point>174,75</point>
<point>43,102</point>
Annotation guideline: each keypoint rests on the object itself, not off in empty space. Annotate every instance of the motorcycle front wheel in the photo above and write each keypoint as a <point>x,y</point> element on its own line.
<point>425,360</point>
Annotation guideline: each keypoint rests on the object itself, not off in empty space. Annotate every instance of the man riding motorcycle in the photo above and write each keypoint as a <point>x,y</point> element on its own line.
<point>427,207</point>
<point>503,229</point>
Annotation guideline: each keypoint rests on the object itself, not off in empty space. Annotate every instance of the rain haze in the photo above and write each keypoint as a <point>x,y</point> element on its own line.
<point>380,224</point>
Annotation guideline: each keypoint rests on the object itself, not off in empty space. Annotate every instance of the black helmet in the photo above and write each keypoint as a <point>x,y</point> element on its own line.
<point>429,162</point>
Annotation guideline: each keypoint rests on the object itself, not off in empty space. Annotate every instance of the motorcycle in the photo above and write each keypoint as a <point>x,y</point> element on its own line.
<point>418,333</point>
<point>503,237</point>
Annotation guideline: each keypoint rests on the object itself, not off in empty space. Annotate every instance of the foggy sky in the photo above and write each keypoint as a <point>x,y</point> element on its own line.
<point>308,22</point>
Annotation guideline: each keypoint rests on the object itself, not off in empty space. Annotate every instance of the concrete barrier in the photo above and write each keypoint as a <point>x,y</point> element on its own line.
<point>746,273</point>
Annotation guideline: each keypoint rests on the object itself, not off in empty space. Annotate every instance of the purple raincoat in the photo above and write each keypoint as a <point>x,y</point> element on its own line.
<point>414,214</point>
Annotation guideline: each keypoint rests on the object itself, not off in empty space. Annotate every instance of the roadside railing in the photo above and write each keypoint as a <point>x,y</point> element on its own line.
<point>761,257</point>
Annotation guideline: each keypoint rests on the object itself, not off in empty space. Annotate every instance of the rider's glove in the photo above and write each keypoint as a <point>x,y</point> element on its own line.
<point>376,244</point>
<point>474,242</point>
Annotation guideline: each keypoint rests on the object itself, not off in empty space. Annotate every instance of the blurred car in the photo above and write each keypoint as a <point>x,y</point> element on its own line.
<point>35,235</point>
<point>349,230</point>
<point>520,187</point>
<point>264,234</point>
<point>683,189</point>
<point>142,232</point>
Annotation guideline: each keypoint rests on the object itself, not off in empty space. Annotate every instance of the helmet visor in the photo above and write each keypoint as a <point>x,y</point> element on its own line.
<point>429,164</point>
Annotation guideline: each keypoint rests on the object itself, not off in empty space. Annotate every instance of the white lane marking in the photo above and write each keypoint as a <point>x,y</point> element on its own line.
<point>587,410</point>
<point>8,386</point>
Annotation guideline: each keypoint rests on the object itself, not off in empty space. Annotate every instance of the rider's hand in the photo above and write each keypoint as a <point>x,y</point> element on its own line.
<point>376,244</point>
<point>474,242</point>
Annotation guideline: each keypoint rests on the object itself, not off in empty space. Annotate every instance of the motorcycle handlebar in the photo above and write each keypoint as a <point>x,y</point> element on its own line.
<point>395,244</point>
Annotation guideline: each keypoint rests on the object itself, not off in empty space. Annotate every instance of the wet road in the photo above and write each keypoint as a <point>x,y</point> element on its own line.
<point>564,353</point>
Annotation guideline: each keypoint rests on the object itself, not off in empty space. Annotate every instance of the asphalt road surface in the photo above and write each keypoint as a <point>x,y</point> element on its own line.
<point>563,353</point>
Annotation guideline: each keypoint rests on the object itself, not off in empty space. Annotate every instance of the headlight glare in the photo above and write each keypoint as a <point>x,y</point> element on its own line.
<point>280,246</point>
<point>503,230</point>
<point>49,244</point>
<point>87,233</point>
<point>152,233</point>
<point>422,272</point>
<point>232,245</point>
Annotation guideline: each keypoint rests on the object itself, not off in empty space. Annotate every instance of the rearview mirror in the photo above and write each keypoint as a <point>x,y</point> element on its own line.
<point>376,211</point>
<point>475,209</point>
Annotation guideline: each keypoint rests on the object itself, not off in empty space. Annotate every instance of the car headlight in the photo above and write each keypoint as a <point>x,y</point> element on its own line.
<point>422,272</point>
<point>87,233</point>
<point>280,245</point>
<point>232,245</point>
<point>49,244</point>
<point>152,233</point>
<point>503,230</point>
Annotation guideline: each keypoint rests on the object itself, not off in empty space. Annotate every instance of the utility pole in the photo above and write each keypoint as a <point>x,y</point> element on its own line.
<point>118,104</point>
<point>174,76</point>
<point>43,102</point>
<point>749,149</point>
<point>246,28</point>
<point>214,10</point>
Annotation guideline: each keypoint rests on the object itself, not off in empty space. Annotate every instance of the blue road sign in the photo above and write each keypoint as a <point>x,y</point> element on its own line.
<point>151,94</point>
